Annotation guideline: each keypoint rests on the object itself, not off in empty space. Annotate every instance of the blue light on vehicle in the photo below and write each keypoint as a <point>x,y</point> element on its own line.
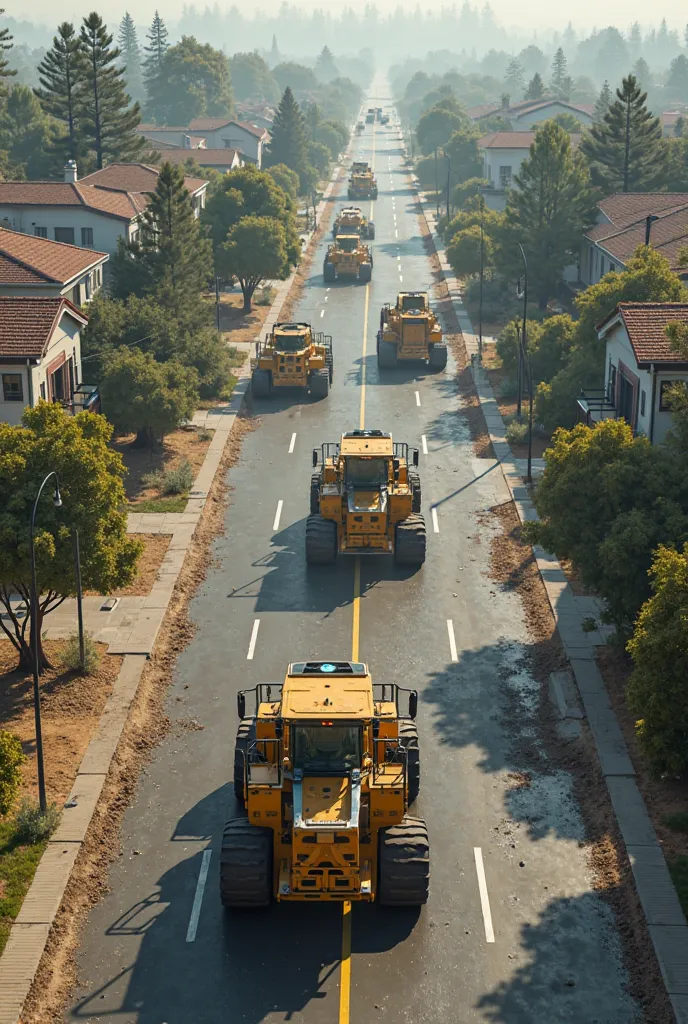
<point>328,668</point>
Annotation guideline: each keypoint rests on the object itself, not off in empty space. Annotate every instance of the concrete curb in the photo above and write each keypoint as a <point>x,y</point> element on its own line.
<point>665,918</point>
<point>29,934</point>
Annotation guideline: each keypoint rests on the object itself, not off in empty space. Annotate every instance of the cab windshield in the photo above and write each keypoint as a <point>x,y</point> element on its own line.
<point>366,472</point>
<point>348,244</point>
<point>290,342</point>
<point>327,749</point>
<point>410,302</point>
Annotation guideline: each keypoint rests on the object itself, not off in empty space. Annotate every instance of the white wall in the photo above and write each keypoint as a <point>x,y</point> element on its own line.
<point>65,338</point>
<point>595,263</point>
<point>11,412</point>
<point>235,137</point>
<point>106,230</point>
<point>493,161</point>
<point>96,280</point>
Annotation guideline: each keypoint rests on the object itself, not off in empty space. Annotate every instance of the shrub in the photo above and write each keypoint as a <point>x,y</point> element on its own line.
<point>657,691</point>
<point>178,480</point>
<point>32,825</point>
<point>517,432</point>
<point>508,387</point>
<point>265,296</point>
<point>11,760</point>
<point>499,298</point>
<point>204,434</point>
<point>70,656</point>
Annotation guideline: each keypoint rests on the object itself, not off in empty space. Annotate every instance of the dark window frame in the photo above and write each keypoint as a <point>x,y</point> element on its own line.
<point>7,385</point>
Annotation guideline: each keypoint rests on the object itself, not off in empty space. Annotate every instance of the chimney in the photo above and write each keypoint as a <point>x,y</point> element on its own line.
<point>70,172</point>
<point>187,142</point>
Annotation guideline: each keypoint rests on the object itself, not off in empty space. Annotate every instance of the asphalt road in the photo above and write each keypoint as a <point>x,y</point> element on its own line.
<point>513,931</point>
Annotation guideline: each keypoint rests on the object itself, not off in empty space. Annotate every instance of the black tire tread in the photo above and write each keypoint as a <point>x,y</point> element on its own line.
<point>411,539</point>
<point>261,383</point>
<point>245,865</point>
<point>386,355</point>
<point>321,540</point>
<point>437,357</point>
<point>320,383</point>
<point>404,864</point>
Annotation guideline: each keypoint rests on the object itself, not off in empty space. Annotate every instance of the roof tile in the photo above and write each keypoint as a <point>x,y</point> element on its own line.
<point>646,324</point>
<point>133,178</point>
<point>27,323</point>
<point>25,259</point>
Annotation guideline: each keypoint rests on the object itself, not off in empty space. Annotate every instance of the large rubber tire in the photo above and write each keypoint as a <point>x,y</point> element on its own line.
<point>437,357</point>
<point>386,355</point>
<point>321,541</point>
<point>315,494</point>
<point>409,548</point>
<point>404,864</point>
<point>414,483</point>
<point>261,383</point>
<point>408,737</point>
<point>365,272</point>
<point>329,362</point>
<point>320,383</point>
<point>245,865</point>
<point>246,733</point>
<point>371,230</point>
<point>329,272</point>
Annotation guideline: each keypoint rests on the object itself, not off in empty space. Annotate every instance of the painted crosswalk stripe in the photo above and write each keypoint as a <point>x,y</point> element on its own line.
<point>452,641</point>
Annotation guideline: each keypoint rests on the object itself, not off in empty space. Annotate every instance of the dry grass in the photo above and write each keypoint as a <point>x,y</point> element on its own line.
<point>155,547</point>
<point>235,324</point>
<point>177,446</point>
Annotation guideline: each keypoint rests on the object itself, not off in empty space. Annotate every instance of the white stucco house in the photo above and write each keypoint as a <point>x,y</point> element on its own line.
<point>524,115</point>
<point>211,133</point>
<point>40,354</point>
<point>93,212</point>
<point>622,226</point>
<point>503,153</point>
<point>222,160</point>
<point>30,265</point>
<point>640,366</point>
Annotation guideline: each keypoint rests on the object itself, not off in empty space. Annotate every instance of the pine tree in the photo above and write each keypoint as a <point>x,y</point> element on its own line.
<point>603,102</point>
<point>275,56</point>
<point>6,43</point>
<point>561,82</point>
<point>325,67</point>
<point>131,55</point>
<point>625,148</point>
<point>642,73</point>
<point>171,261</point>
<point>289,143</point>
<point>155,51</point>
<point>108,122</point>
<point>536,88</point>
<point>60,74</point>
<point>514,79</point>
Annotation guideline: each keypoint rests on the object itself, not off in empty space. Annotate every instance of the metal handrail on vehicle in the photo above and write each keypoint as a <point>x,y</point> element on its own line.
<point>388,693</point>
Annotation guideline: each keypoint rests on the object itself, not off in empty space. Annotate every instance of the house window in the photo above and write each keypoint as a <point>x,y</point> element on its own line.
<point>87,238</point>
<point>663,394</point>
<point>87,285</point>
<point>40,232</point>
<point>642,403</point>
<point>12,389</point>
<point>64,235</point>
<point>504,177</point>
<point>43,391</point>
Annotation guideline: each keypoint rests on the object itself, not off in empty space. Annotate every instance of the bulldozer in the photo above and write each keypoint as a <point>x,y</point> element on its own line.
<point>362,183</point>
<point>352,221</point>
<point>410,330</point>
<point>293,355</point>
<point>326,766</point>
<point>365,499</point>
<point>347,256</point>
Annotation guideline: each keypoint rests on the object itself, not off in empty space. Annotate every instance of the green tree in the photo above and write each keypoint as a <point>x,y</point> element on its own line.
<point>463,252</point>
<point>561,82</point>
<point>289,144</point>
<point>333,135</point>
<point>642,73</point>
<point>288,181</point>
<point>193,81</point>
<point>325,67</point>
<point>26,134</point>
<point>295,77</point>
<point>462,150</point>
<point>548,212</point>
<point>549,344</point>
<point>131,56</point>
<point>602,103</point>
<point>467,191</point>
<point>11,760</point>
<point>677,79</point>
<point>607,500</point>
<point>249,192</point>
<point>251,78</point>
<point>155,51</point>
<point>92,493</point>
<point>171,259</point>
<point>536,88</point>
<point>319,157</point>
<point>146,397</point>
<point>569,123</point>
<point>107,122</point>
<point>437,126</point>
<point>515,78</point>
<point>625,148</point>
<point>255,250</point>
<point>6,43</point>
<point>656,692</point>
<point>60,76</point>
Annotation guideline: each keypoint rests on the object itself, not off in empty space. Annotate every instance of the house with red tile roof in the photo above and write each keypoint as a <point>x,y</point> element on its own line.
<point>503,153</point>
<point>222,160</point>
<point>35,266</point>
<point>641,365</point>
<point>525,115</point>
<point>215,133</point>
<point>622,225</point>
<point>93,212</point>
<point>40,354</point>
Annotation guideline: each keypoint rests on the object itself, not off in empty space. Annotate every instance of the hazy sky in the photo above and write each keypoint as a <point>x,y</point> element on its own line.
<point>541,14</point>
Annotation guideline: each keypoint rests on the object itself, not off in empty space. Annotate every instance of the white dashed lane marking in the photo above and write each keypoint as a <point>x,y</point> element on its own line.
<point>252,641</point>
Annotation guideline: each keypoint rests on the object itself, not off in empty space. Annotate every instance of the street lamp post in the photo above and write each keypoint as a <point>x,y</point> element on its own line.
<point>448,180</point>
<point>79,602</point>
<point>437,189</point>
<point>525,360</point>
<point>482,268</point>
<point>522,293</point>
<point>35,637</point>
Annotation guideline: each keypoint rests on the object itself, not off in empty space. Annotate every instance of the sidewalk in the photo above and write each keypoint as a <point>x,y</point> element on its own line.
<point>131,629</point>
<point>666,922</point>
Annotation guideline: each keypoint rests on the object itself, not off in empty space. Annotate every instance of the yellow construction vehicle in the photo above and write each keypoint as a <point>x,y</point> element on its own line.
<point>365,500</point>
<point>362,182</point>
<point>326,766</point>
<point>410,330</point>
<point>352,221</point>
<point>293,355</point>
<point>347,256</point>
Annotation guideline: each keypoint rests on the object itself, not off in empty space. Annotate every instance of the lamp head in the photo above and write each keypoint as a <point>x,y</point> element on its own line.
<point>57,498</point>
